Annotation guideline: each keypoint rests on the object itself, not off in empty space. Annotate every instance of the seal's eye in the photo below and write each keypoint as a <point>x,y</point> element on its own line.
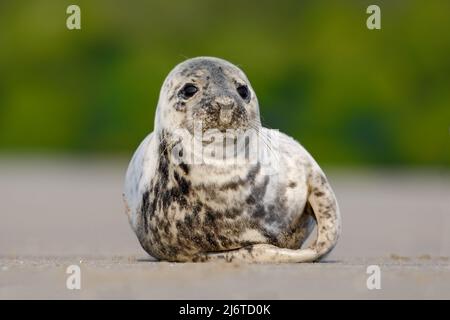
<point>188,91</point>
<point>243,92</point>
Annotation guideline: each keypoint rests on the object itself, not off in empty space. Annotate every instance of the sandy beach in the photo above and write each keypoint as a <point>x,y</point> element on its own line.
<point>60,212</point>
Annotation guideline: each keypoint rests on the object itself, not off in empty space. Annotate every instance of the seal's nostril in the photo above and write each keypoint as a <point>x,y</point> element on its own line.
<point>226,112</point>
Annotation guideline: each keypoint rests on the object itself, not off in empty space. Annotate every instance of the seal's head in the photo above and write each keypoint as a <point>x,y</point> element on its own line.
<point>207,91</point>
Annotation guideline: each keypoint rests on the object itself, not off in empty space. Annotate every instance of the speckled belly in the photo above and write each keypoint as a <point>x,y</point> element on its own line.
<point>181,220</point>
<point>174,233</point>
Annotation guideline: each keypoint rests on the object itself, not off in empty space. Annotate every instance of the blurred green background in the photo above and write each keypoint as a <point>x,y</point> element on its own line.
<point>351,96</point>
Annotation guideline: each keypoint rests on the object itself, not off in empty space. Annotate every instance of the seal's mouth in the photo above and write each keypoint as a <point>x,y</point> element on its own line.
<point>228,117</point>
<point>222,118</point>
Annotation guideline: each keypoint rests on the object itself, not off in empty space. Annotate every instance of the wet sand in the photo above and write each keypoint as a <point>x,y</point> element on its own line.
<point>62,212</point>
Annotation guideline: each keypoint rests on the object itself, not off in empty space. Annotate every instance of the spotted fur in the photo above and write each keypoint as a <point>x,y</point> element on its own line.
<point>201,212</point>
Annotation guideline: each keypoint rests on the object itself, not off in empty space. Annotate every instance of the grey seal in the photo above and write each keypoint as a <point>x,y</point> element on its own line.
<point>183,210</point>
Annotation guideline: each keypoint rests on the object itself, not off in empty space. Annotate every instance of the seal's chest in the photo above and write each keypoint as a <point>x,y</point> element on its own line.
<point>209,225</point>
<point>201,217</point>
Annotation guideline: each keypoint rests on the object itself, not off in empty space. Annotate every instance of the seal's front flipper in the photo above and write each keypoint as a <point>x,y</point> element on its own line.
<point>263,253</point>
<point>326,210</point>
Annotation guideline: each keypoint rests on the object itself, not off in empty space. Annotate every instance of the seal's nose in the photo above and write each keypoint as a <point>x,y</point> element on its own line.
<point>226,105</point>
<point>224,102</point>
